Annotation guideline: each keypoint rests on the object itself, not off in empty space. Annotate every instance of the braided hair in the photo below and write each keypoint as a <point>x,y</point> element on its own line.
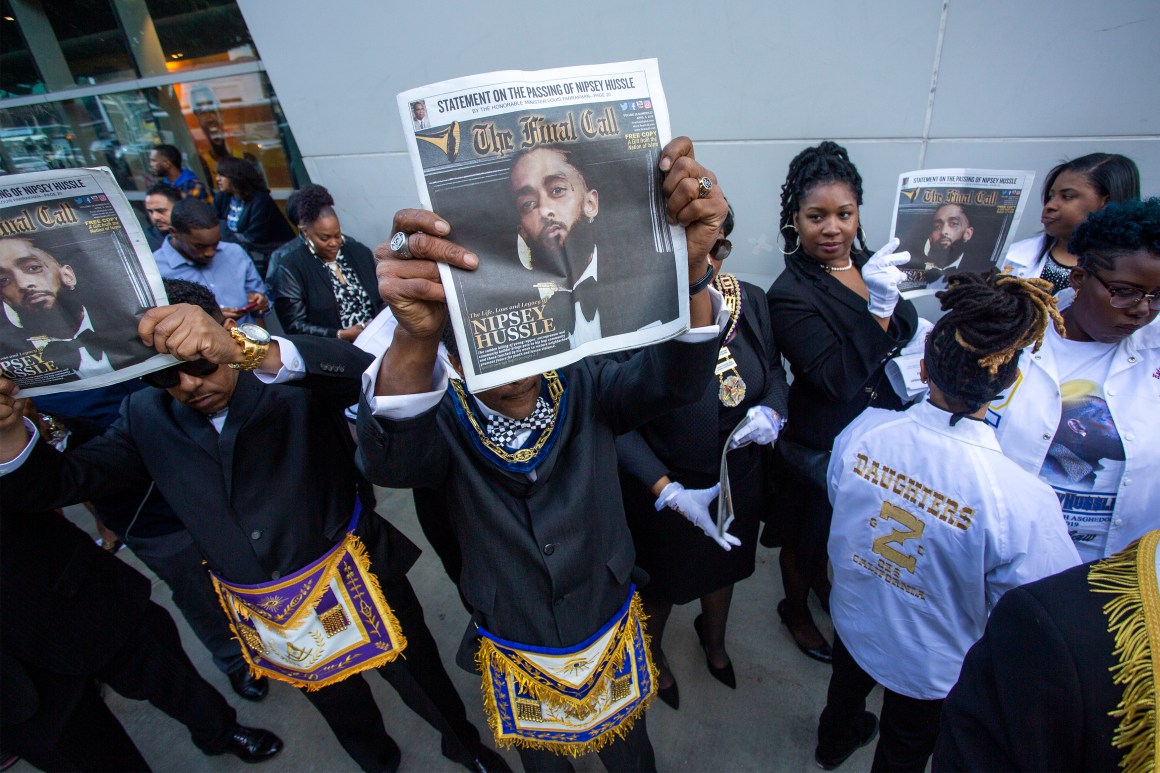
<point>314,201</point>
<point>827,163</point>
<point>1119,228</point>
<point>972,354</point>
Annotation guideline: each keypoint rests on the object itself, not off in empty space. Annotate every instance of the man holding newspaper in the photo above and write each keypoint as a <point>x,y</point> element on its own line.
<point>531,470</point>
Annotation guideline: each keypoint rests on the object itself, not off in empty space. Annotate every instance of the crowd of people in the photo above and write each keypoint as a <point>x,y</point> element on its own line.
<point>987,551</point>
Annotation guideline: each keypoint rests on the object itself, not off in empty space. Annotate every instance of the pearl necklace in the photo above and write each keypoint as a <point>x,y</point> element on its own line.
<point>846,267</point>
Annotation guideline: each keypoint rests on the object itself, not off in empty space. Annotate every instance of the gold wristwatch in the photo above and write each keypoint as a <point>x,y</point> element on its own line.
<point>254,340</point>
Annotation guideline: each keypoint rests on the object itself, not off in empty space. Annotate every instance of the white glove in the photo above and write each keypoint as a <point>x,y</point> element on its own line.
<point>694,505</point>
<point>761,425</point>
<point>882,275</point>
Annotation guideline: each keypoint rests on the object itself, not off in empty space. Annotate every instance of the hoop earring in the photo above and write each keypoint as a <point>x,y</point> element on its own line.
<point>862,238</point>
<point>797,243</point>
<point>310,245</point>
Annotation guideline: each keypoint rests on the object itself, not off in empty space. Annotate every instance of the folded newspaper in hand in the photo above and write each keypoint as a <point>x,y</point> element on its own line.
<point>76,275</point>
<point>903,371</point>
<point>551,179</point>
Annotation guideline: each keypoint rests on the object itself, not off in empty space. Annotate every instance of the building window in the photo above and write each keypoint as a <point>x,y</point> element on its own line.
<point>201,33</point>
<point>18,75</point>
<point>90,39</point>
<point>55,45</point>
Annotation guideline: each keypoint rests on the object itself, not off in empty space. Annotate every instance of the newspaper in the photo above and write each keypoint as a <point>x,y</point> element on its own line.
<point>76,274</point>
<point>953,220</point>
<point>551,178</point>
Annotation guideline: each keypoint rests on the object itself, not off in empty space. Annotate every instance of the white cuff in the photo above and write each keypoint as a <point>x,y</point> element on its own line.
<point>399,407</point>
<point>293,368</point>
<point>12,466</point>
<point>720,314</point>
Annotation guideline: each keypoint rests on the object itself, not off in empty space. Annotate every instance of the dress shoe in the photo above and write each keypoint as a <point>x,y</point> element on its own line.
<point>725,674</point>
<point>249,744</point>
<point>488,761</point>
<point>832,760</point>
<point>248,686</point>
<point>822,654</point>
<point>485,759</point>
<point>670,695</point>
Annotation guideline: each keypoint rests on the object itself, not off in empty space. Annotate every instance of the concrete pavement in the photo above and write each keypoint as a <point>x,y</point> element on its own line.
<point>767,724</point>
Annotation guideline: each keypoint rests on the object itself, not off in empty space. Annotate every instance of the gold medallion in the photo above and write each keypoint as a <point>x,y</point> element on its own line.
<point>732,391</point>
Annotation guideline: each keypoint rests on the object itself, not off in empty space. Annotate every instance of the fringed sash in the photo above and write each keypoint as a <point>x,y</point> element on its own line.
<point>574,700</point>
<point>319,625</point>
<point>1134,620</point>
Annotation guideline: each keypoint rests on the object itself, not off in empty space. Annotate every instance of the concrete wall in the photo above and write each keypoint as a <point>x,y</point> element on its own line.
<point>904,84</point>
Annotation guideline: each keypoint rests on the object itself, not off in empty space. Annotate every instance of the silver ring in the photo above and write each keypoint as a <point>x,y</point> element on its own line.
<point>399,245</point>
<point>704,188</point>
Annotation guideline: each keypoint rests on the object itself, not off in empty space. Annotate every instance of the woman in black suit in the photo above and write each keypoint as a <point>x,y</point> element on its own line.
<point>326,285</point>
<point>669,468</point>
<point>244,203</point>
<point>837,315</point>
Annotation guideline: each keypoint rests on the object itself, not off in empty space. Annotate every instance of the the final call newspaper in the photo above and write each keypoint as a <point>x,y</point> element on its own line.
<point>953,220</point>
<point>76,274</point>
<point>551,178</point>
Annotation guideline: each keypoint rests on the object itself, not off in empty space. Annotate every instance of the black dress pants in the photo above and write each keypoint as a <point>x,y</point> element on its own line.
<point>421,681</point>
<point>150,666</point>
<point>908,727</point>
<point>176,559</point>
<point>634,752</point>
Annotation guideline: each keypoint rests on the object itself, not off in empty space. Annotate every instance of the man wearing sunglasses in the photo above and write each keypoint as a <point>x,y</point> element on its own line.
<point>247,442</point>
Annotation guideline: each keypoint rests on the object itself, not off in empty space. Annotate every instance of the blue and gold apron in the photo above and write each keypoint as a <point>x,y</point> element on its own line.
<point>573,700</point>
<point>318,625</point>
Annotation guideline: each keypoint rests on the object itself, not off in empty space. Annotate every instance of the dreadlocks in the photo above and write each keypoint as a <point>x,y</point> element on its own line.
<point>827,163</point>
<point>972,354</point>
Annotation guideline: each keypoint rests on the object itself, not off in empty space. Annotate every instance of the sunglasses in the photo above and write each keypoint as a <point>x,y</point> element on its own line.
<point>1128,297</point>
<point>721,249</point>
<point>171,377</point>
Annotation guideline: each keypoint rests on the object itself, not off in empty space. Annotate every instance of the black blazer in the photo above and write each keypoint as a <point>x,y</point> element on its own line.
<point>835,348</point>
<point>270,494</point>
<point>692,434</point>
<point>304,297</point>
<point>68,608</point>
<point>1035,691</point>
<point>261,226</point>
<point>547,562</point>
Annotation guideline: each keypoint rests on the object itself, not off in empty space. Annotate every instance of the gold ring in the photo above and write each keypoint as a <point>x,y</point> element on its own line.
<point>704,188</point>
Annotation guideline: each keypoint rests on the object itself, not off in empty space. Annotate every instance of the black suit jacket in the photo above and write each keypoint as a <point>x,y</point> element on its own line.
<point>835,348</point>
<point>273,492</point>
<point>68,607</point>
<point>634,290</point>
<point>304,297</point>
<point>545,562</point>
<point>688,439</point>
<point>261,225</point>
<point>1035,691</point>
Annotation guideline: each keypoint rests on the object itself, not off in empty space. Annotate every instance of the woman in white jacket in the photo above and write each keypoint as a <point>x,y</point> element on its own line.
<point>932,524</point>
<point>1071,191</point>
<point>1085,414</point>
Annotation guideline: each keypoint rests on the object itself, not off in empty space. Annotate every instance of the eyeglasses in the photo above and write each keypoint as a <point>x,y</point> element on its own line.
<point>171,377</point>
<point>1127,297</point>
<point>721,249</point>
